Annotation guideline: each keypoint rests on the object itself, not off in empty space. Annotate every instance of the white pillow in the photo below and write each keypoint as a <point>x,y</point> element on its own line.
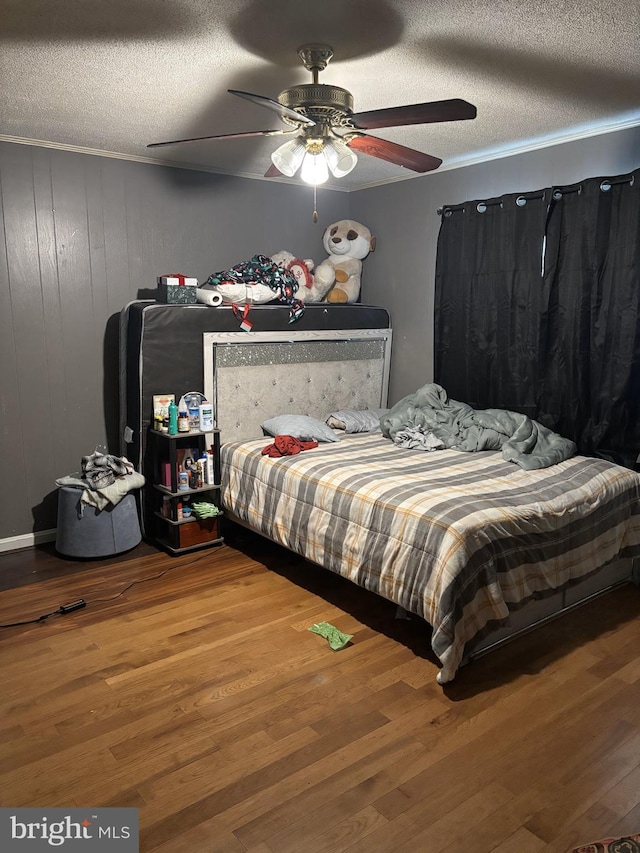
<point>299,426</point>
<point>364,420</point>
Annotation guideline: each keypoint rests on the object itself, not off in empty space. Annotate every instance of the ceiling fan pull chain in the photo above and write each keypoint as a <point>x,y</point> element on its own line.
<point>315,206</point>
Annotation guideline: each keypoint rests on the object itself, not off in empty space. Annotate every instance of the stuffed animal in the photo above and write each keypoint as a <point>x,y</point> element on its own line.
<point>347,243</point>
<point>252,282</point>
<point>302,270</point>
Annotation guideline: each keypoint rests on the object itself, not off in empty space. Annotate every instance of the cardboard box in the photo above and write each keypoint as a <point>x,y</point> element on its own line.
<point>176,289</point>
<point>161,408</point>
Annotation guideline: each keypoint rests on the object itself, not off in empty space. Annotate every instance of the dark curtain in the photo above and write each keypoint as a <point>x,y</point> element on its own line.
<point>559,342</point>
<point>487,301</point>
<point>590,330</point>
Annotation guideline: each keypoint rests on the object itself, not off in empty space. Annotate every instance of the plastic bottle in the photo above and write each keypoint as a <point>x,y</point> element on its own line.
<point>206,416</point>
<point>194,478</point>
<point>173,419</point>
<point>183,421</point>
<point>209,476</point>
<point>200,468</point>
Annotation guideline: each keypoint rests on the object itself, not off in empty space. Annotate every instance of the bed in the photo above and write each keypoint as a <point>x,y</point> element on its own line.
<point>475,545</point>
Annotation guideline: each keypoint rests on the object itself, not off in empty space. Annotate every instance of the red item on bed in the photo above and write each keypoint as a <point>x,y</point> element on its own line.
<point>287,445</point>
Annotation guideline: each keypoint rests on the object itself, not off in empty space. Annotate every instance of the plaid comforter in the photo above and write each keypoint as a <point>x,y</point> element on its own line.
<point>460,539</point>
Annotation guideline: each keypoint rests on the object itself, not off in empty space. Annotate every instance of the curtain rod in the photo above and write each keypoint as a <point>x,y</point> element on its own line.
<point>520,200</point>
<point>607,183</point>
<point>556,192</point>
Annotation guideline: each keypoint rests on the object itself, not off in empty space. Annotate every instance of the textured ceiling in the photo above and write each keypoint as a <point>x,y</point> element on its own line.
<point>114,75</point>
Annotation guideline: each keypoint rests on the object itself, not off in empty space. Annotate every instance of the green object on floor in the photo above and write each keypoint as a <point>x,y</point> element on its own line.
<point>337,640</point>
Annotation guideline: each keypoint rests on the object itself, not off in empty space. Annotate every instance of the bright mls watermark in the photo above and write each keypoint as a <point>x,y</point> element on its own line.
<point>75,830</point>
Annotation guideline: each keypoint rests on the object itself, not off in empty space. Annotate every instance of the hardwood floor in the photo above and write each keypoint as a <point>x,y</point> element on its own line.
<point>199,696</point>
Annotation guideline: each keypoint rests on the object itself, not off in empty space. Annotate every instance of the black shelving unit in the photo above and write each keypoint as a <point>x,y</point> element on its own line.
<point>173,533</point>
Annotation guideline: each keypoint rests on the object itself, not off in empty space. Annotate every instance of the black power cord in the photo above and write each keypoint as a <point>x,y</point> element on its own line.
<point>77,605</point>
<point>134,583</point>
<point>64,608</point>
<point>80,603</point>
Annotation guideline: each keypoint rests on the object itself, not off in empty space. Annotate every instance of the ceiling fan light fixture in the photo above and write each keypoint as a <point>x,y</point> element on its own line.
<point>288,157</point>
<point>340,158</point>
<point>314,169</point>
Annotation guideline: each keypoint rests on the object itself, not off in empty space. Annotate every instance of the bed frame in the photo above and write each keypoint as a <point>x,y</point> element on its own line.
<point>253,376</point>
<point>539,612</point>
<point>250,377</point>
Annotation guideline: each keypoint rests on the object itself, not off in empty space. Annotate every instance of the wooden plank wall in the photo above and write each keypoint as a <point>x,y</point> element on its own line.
<point>81,237</point>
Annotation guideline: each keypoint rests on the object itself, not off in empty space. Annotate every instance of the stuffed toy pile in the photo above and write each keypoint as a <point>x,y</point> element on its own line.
<point>286,278</point>
<point>253,282</point>
<point>302,271</point>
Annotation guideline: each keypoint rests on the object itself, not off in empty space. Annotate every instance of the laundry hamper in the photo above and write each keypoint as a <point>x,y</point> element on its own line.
<point>84,531</point>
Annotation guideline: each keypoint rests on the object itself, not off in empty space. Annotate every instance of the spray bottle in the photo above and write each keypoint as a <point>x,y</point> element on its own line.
<point>173,418</point>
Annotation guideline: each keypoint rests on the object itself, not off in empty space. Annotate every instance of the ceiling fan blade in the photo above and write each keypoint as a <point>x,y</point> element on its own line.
<point>263,101</point>
<point>393,153</point>
<point>241,135</point>
<point>434,111</point>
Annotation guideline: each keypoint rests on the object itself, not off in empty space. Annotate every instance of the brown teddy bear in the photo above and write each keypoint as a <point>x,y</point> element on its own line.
<point>347,243</point>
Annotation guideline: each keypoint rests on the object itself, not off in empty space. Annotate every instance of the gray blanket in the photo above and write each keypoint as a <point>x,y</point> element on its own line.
<point>524,441</point>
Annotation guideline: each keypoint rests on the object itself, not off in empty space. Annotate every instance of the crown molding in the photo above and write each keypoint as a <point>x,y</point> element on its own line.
<point>525,147</point>
<point>623,123</point>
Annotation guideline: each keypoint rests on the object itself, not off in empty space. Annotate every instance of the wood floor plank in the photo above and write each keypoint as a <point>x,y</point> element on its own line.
<point>577,792</point>
<point>522,840</point>
<point>457,822</point>
<point>359,783</point>
<point>199,696</point>
<point>595,823</point>
<point>287,758</point>
<point>355,826</point>
<point>622,796</point>
<point>626,825</point>
<point>493,830</point>
<point>481,744</point>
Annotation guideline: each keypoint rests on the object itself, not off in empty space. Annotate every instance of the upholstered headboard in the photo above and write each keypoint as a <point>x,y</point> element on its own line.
<point>253,376</point>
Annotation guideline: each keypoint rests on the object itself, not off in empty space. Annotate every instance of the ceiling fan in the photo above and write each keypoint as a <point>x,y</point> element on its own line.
<point>326,133</point>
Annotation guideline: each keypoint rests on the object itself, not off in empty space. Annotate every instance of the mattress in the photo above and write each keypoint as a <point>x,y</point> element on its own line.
<point>460,539</point>
<point>161,351</point>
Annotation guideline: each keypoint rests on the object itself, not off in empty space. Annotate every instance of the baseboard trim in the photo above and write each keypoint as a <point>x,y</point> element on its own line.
<point>27,540</point>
